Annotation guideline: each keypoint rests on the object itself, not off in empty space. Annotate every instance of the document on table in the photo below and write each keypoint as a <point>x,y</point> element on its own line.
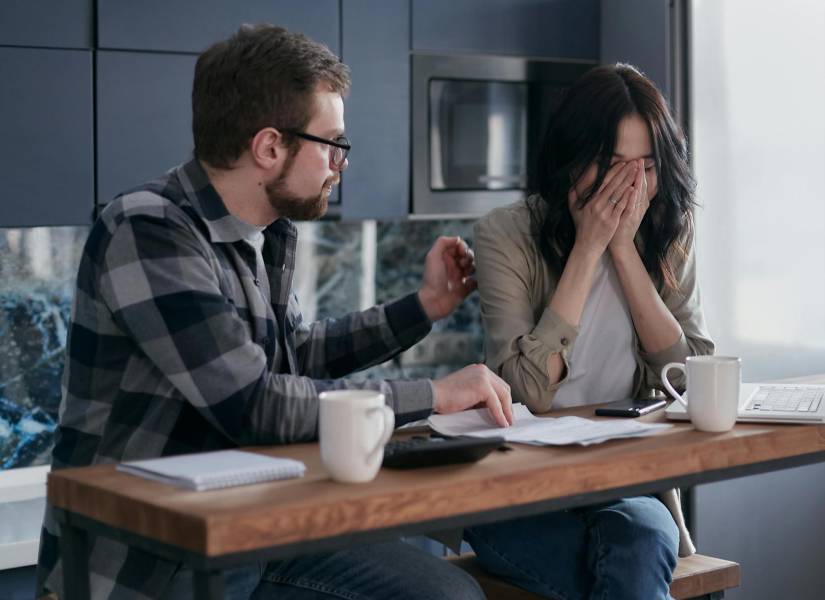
<point>541,431</point>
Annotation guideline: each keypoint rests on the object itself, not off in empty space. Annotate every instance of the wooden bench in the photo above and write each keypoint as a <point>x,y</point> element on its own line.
<point>696,577</point>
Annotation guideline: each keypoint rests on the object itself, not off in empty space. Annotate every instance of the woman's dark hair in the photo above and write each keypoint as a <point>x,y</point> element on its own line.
<point>583,130</point>
<point>262,76</point>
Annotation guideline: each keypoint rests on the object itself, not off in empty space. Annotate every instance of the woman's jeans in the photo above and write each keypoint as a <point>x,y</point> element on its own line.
<point>623,550</point>
<point>391,571</point>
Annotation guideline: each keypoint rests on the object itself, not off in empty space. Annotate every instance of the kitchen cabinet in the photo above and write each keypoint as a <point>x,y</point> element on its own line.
<point>376,45</point>
<point>144,117</point>
<point>550,28</point>
<point>140,65</point>
<point>193,25</point>
<point>638,32</point>
<point>46,156</point>
<point>46,23</point>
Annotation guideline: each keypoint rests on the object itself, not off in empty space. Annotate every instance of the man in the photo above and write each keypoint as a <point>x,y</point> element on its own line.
<point>186,337</point>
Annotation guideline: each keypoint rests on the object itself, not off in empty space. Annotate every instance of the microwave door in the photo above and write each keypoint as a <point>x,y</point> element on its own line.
<point>478,133</point>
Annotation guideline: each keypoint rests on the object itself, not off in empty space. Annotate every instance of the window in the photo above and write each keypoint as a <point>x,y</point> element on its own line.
<point>758,143</point>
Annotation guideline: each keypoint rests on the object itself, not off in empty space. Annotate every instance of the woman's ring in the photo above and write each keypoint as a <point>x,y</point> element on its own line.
<point>613,200</point>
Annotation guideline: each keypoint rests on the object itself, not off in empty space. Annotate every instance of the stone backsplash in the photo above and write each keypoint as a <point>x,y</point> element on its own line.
<point>342,267</point>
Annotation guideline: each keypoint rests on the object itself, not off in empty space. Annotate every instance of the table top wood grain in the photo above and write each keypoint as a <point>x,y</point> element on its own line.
<point>253,517</point>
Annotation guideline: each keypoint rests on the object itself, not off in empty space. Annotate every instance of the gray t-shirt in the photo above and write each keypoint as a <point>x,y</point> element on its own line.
<point>254,236</point>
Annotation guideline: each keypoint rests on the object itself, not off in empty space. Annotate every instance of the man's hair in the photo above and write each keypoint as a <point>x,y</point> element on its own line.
<point>262,76</point>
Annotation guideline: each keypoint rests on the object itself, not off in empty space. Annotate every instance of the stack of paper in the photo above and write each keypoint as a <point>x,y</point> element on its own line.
<point>540,431</point>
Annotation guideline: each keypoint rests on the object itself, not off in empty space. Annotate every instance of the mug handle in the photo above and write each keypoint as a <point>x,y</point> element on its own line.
<point>666,383</point>
<point>387,425</point>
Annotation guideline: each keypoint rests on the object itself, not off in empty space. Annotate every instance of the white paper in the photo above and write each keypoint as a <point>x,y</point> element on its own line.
<point>529,429</point>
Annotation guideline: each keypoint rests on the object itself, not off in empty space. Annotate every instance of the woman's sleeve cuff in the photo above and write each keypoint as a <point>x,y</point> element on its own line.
<point>678,352</point>
<point>554,332</point>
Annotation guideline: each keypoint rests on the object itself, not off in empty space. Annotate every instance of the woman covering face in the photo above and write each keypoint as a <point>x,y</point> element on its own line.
<point>588,288</point>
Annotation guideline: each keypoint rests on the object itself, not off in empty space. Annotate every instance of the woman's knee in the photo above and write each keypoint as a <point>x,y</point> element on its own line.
<point>643,523</point>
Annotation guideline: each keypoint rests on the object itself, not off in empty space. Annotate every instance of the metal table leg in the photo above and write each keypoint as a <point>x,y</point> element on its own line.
<point>75,557</point>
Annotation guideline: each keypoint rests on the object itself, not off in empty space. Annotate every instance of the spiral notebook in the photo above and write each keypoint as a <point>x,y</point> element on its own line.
<point>213,470</point>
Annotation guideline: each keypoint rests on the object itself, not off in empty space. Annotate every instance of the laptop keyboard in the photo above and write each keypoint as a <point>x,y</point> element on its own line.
<point>786,398</point>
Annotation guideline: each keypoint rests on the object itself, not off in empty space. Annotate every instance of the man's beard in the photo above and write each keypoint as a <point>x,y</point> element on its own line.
<point>294,207</point>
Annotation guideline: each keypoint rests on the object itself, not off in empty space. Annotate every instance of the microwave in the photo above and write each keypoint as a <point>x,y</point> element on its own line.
<point>477,122</point>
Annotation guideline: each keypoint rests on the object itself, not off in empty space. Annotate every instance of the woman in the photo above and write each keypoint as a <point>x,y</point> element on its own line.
<point>588,288</point>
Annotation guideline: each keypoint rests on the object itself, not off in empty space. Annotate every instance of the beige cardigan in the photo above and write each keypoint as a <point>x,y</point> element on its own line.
<point>515,285</point>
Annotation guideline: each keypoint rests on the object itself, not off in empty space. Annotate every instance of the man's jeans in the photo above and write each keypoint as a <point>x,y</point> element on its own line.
<point>623,550</point>
<point>391,571</point>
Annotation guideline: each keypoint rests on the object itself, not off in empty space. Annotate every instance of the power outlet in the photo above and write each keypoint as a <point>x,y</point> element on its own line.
<point>441,348</point>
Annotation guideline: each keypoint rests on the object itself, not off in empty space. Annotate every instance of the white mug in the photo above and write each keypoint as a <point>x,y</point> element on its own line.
<point>353,428</point>
<point>713,385</point>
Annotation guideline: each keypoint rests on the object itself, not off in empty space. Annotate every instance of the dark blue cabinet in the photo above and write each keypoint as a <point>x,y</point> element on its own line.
<point>637,32</point>
<point>553,28</point>
<point>46,157</point>
<point>65,149</point>
<point>49,23</point>
<point>377,112</point>
<point>144,117</point>
<point>193,25</point>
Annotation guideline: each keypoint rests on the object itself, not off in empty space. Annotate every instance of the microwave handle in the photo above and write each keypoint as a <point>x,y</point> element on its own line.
<point>435,100</point>
<point>518,179</point>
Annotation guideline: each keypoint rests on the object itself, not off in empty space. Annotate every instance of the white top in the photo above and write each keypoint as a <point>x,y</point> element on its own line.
<point>602,361</point>
<point>256,239</point>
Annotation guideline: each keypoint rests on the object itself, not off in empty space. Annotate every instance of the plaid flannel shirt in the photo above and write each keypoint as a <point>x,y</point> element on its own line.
<point>173,348</point>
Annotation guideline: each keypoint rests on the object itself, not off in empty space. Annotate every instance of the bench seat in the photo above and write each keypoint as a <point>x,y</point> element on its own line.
<point>696,576</point>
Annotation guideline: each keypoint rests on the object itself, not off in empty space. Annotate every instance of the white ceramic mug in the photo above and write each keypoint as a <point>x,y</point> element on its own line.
<point>713,386</point>
<point>353,428</point>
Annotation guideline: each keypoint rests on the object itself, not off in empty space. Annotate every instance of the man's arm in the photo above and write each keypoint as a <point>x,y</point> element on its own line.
<point>157,280</point>
<point>448,271</point>
<point>338,347</point>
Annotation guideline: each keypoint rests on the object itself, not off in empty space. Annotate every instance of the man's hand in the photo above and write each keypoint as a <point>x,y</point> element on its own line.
<point>447,277</point>
<point>471,386</point>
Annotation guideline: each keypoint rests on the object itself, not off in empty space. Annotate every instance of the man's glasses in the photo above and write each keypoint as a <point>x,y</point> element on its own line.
<point>339,147</point>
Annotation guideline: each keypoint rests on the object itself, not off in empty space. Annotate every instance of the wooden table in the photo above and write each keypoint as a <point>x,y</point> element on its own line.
<point>210,531</point>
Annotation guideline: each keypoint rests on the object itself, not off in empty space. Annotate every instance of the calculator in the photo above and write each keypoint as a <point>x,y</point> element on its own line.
<point>422,451</point>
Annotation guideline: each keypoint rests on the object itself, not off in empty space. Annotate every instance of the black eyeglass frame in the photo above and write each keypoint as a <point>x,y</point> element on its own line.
<point>343,145</point>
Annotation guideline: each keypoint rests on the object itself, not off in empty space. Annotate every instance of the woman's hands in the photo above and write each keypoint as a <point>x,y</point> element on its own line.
<point>597,221</point>
<point>633,213</point>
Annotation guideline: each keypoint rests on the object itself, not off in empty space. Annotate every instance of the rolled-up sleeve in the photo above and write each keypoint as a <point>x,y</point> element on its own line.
<point>684,302</point>
<point>518,342</point>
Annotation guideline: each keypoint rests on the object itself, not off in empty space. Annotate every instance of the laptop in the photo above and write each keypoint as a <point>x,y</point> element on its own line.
<point>771,403</point>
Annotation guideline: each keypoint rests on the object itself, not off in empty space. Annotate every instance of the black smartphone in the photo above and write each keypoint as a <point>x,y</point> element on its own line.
<point>631,407</point>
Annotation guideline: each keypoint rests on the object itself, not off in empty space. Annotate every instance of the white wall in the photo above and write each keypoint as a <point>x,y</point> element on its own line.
<point>758,139</point>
